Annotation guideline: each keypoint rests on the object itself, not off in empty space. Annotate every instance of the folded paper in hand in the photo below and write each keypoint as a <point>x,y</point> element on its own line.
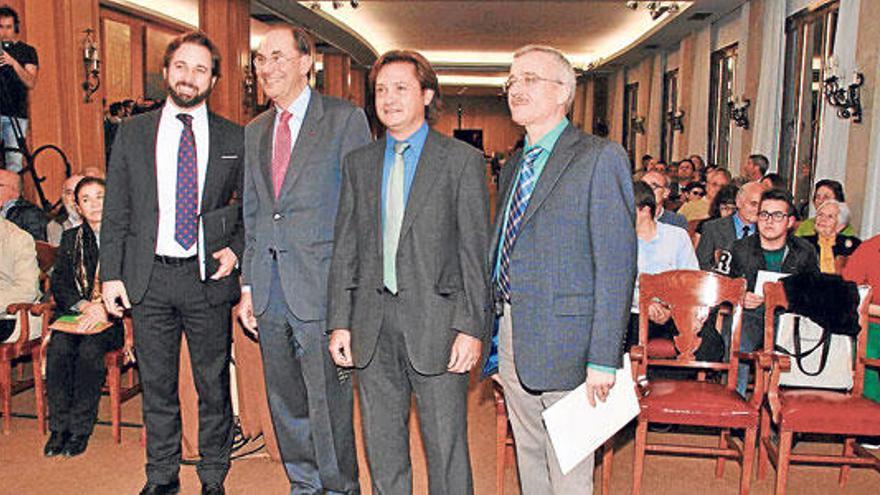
<point>576,429</point>
<point>70,324</point>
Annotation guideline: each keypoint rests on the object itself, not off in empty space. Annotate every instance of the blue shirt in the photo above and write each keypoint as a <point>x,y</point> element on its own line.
<point>738,225</point>
<point>670,249</point>
<point>410,161</point>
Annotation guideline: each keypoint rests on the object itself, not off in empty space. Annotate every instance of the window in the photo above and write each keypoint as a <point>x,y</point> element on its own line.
<point>721,83</point>
<point>670,107</point>
<point>630,112</point>
<point>809,41</point>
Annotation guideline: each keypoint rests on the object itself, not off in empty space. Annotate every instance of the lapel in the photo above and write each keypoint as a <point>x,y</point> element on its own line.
<point>559,160</point>
<point>506,178</point>
<point>373,186</point>
<point>265,149</point>
<point>214,175</point>
<point>430,163</point>
<point>305,143</point>
<point>151,173</point>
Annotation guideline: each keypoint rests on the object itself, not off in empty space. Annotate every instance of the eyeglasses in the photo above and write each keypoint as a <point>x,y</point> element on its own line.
<point>528,80</point>
<point>276,58</point>
<point>777,216</point>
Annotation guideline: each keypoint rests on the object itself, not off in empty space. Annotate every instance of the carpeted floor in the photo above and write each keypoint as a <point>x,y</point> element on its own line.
<point>111,469</point>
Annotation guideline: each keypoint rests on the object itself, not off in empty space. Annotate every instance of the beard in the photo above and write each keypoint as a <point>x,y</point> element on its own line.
<point>183,101</point>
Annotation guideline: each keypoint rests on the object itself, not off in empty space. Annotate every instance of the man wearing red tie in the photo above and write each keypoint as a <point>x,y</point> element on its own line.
<point>172,172</point>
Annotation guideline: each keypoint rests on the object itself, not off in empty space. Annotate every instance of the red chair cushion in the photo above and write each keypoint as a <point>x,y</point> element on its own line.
<point>661,349</point>
<point>696,403</point>
<point>826,411</point>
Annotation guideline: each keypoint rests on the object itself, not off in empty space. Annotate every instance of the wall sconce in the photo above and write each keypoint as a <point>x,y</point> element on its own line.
<point>91,65</point>
<point>676,120</point>
<point>638,124</point>
<point>847,100</point>
<point>739,112</point>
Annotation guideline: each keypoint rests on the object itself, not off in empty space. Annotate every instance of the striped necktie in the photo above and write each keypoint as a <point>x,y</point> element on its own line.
<point>522,193</point>
<point>394,205</point>
<point>186,208</point>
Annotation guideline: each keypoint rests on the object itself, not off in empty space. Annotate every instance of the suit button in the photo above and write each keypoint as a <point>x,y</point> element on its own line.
<point>277,216</point>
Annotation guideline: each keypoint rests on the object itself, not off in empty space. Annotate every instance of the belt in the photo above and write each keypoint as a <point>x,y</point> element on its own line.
<point>172,261</point>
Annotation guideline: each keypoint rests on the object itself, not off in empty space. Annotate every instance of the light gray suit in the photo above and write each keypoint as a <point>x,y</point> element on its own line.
<point>401,343</point>
<point>288,244</point>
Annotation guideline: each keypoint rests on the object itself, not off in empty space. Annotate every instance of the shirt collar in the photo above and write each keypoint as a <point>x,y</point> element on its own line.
<point>739,224</point>
<point>6,206</point>
<point>199,113</point>
<point>548,142</point>
<point>299,106</point>
<point>416,140</point>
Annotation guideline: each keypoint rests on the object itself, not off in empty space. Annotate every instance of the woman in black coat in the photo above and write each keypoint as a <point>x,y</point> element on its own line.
<point>75,369</point>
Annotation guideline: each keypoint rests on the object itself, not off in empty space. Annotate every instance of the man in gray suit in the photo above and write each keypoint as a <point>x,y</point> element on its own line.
<point>408,294</point>
<point>713,250</point>
<point>563,262</point>
<point>293,157</point>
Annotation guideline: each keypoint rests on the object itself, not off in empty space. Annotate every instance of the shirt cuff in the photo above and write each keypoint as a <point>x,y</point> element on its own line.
<point>604,369</point>
<point>245,289</point>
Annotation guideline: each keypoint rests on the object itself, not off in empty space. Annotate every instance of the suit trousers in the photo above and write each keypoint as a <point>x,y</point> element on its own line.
<point>310,402</point>
<point>386,386</point>
<point>175,302</point>
<point>538,468</point>
<point>74,376</point>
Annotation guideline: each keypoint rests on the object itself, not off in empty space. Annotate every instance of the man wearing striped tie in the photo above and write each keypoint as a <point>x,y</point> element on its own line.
<point>408,294</point>
<point>563,262</point>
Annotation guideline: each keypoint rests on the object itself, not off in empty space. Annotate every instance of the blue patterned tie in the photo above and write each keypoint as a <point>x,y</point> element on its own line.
<point>521,196</point>
<point>186,207</point>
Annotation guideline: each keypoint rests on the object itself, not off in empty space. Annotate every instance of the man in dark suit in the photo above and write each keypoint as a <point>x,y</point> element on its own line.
<point>172,170</point>
<point>13,207</point>
<point>408,294</point>
<point>563,261</point>
<point>292,176</point>
<point>713,250</point>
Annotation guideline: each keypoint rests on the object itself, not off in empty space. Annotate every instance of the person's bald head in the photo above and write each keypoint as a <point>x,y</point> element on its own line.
<point>10,186</point>
<point>93,172</point>
<point>659,182</point>
<point>748,200</point>
<point>67,193</point>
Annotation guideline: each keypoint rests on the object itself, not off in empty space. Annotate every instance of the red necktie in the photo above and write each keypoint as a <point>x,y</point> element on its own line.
<point>281,149</point>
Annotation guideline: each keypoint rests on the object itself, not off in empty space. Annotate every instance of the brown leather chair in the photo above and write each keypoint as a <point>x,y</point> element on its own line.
<point>695,402</point>
<point>790,410</point>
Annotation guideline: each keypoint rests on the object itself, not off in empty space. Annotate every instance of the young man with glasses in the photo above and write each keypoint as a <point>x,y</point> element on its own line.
<point>773,249</point>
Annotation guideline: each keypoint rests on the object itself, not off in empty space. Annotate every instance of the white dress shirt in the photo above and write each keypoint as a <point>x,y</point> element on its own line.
<point>167,144</point>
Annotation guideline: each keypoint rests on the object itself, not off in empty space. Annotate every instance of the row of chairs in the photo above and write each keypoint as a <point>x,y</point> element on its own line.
<point>707,401</point>
<point>119,362</point>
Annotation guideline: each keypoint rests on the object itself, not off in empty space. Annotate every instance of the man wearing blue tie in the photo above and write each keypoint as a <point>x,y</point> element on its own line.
<point>563,262</point>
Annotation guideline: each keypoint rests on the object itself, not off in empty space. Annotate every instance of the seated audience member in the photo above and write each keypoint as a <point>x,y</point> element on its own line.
<point>693,191</point>
<point>825,189</point>
<point>713,250</point>
<point>684,175</point>
<point>75,362</point>
<point>755,168</point>
<point>774,250</point>
<point>698,210</point>
<point>69,218</point>
<point>863,267</point>
<point>699,167</point>
<point>829,241</point>
<point>773,181</point>
<point>659,183</point>
<point>722,206</point>
<point>18,211</point>
<point>647,162</point>
<point>19,276</point>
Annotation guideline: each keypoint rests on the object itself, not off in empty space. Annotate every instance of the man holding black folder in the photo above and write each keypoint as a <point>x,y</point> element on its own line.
<point>172,237</point>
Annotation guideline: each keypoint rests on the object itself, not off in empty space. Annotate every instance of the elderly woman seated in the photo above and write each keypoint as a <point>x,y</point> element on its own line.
<point>832,245</point>
<point>75,361</point>
<point>826,189</point>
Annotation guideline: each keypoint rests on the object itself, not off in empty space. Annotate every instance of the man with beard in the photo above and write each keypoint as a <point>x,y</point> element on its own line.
<point>174,174</point>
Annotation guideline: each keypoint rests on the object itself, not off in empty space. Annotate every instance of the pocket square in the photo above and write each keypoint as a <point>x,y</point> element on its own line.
<point>229,157</point>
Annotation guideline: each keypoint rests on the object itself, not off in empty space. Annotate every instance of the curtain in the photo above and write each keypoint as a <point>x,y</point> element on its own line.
<point>767,111</point>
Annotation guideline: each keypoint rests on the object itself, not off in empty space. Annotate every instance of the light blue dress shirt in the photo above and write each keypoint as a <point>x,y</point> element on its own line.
<point>410,161</point>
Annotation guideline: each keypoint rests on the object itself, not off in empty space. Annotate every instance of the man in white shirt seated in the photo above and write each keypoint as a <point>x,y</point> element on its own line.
<point>19,277</point>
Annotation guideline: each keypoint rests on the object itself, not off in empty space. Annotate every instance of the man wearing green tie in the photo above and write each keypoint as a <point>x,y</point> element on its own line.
<point>408,294</point>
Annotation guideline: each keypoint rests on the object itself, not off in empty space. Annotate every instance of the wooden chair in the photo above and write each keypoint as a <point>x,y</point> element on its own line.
<point>691,295</point>
<point>46,254</point>
<point>16,352</point>
<point>846,414</point>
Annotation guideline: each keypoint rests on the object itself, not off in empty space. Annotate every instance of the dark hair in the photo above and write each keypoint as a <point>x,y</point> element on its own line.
<point>85,181</point>
<point>688,160</point>
<point>726,195</point>
<point>778,195</point>
<point>424,74</point>
<point>645,196</point>
<point>836,188</point>
<point>698,157</point>
<point>776,180</point>
<point>761,162</point>
<point>694,185</point>
<point>196,38</point>
<point>7,11</point>
<point>646,158</point>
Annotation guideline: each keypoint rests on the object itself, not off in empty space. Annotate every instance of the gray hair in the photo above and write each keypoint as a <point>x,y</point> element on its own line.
<point>566,71</point>
<point>843,212</point>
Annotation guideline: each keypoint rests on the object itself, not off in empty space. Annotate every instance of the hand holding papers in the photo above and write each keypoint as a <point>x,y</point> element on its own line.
<point>576,429</point>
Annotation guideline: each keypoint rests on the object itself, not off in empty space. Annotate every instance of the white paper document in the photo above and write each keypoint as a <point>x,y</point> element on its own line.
<point>576,430</point>
<point>765,276</point>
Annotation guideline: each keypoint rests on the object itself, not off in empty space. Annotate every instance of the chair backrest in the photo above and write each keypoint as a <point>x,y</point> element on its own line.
<point>775,300</point>
<point>691,295</point>
<point>46,260</point>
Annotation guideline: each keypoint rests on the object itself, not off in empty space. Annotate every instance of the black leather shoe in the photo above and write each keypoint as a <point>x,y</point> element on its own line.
<point>76,445</point>
<point>171,488</point>
<point>55,445</point>
<point>213,489</point>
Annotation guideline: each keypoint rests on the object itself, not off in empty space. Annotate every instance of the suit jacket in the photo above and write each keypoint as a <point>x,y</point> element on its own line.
<point>298,227</point>
<point>573,266</point>
<point>130,221</point>
<point>29,218</point>
<point>748,258</point>
<point>717,234</point>
<point>442,286</point>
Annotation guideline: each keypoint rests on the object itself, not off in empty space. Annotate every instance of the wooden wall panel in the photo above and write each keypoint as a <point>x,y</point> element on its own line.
<point>118,72</point>
<point>337,67</point>
<point>357,90</point>
<point>226,22</point>
<point>488,113</point>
